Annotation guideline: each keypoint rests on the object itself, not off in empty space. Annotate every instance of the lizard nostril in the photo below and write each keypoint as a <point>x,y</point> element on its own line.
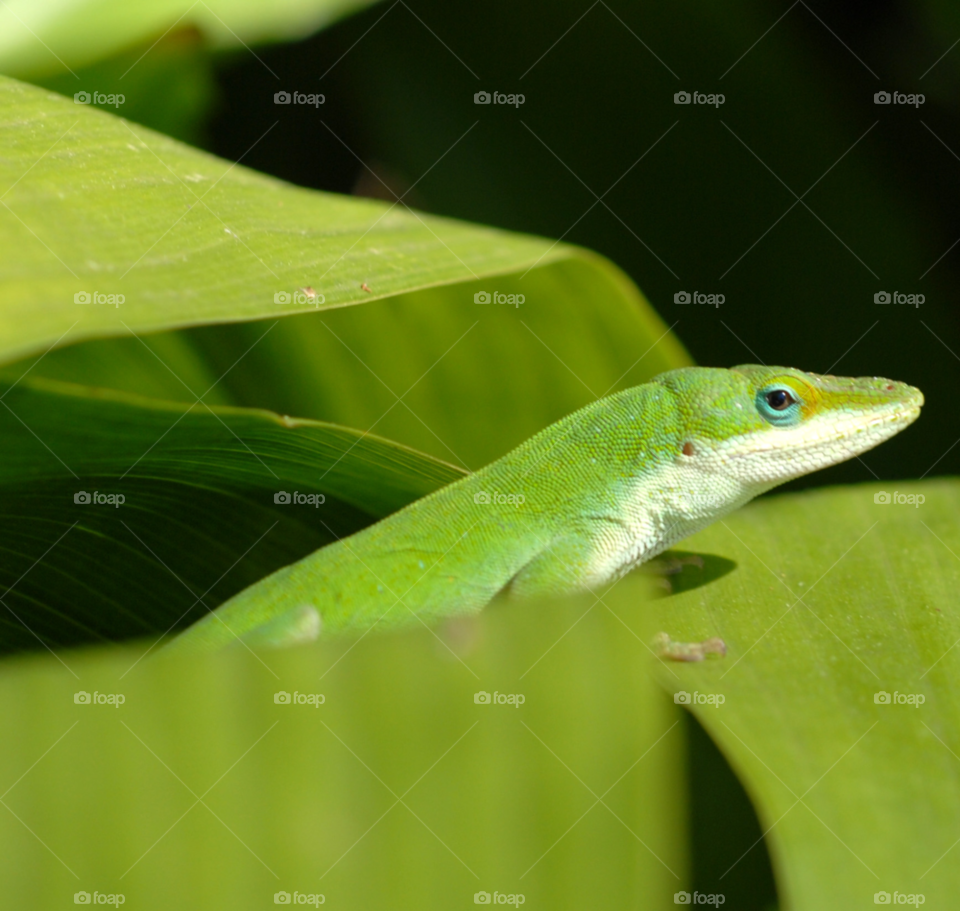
<point>688,449</point>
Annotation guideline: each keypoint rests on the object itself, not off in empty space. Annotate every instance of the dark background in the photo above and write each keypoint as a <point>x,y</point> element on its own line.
<point>708,208</point>
<point>883,211</point>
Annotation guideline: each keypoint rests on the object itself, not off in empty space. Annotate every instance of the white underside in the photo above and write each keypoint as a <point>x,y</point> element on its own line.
<point>678,501</point>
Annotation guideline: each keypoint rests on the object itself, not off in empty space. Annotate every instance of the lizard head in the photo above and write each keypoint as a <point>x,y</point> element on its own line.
<point>767,425</point>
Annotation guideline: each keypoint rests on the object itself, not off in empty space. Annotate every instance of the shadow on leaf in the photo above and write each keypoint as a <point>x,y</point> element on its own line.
<point>682,571</point>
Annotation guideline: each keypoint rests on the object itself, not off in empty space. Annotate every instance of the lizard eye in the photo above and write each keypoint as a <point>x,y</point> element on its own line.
<point>780,399</point>
<point>779,405</point>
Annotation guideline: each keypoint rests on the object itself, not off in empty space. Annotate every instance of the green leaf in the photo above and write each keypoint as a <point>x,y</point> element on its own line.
<point>431,369</point>
<point>198,520</point>
<point>836,598</point>
<point>40,36</point>
<point>398,791</point>
<point>97,206</point>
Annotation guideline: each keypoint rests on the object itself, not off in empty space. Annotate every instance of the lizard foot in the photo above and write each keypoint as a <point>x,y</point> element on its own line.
<point>662,567</point>
<point>667,650</point>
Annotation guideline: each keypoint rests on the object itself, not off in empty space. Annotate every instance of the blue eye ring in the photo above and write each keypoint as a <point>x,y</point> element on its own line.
<point>779,404</point>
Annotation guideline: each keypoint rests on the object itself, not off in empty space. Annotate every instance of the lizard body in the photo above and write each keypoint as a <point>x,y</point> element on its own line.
<point>576,506</point>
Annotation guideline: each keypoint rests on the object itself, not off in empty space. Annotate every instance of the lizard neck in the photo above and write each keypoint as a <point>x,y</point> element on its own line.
<point>660,509</point>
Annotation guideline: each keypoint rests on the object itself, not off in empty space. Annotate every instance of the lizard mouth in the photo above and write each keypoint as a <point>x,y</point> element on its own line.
<point>822,442</point>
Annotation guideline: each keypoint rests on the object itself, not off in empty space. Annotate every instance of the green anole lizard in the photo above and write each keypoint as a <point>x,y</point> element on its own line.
<point>576,506</point>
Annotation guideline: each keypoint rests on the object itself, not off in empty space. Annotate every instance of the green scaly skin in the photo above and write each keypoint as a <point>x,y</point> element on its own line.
<point>576,506</point>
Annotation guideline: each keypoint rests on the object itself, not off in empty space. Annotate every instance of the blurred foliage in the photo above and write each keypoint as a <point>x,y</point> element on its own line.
<point>398,791</point>
<point>172,89</point>
<point>84,32</point>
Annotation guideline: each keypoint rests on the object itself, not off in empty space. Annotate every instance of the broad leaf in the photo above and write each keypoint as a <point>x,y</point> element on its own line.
<point>98,209</point>
<point>400,790</point>
<point>838,601</point>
